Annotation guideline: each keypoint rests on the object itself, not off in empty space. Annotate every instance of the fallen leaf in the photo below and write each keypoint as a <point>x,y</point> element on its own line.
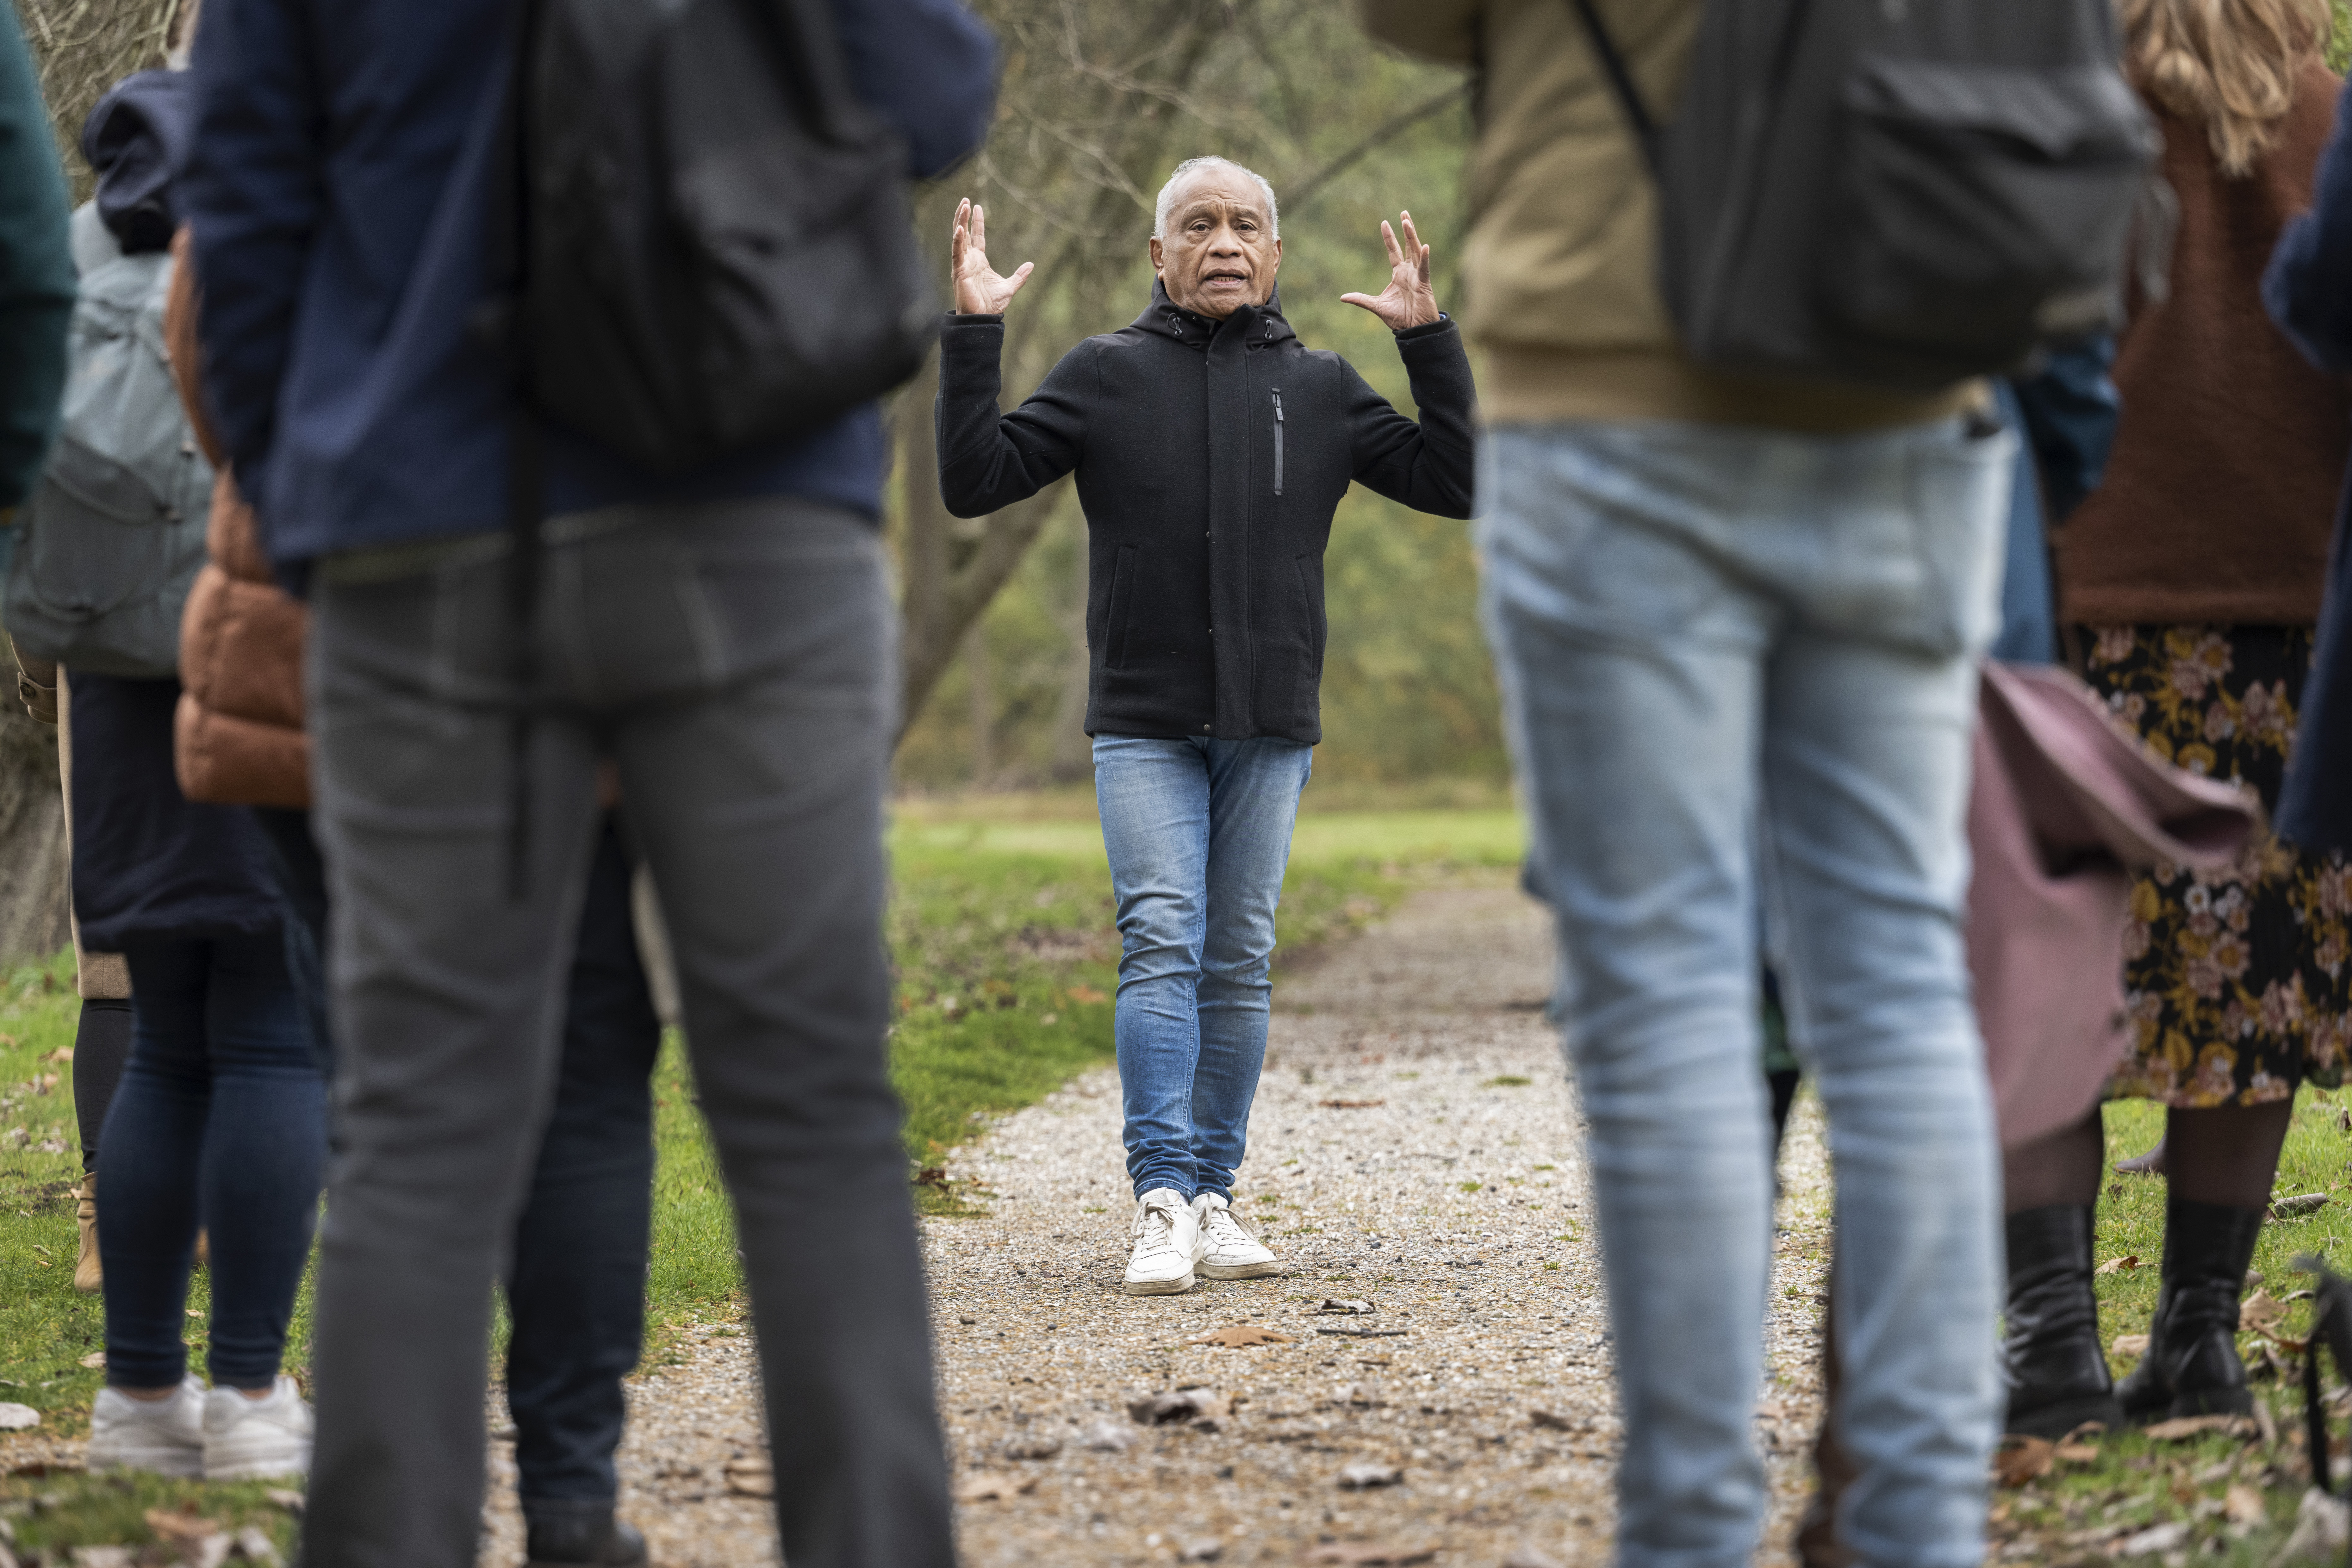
<point>981,1486</point>
<point>1234,1336</point>
<point>1366,1333</point>
<point>1086,993</point>
<point>2022,1459</point>
<point>282,1497</point>
<point>2260,1314</point>
<point>2075,1453</point>
<point>102,1557</point>
<point>2128,1261</point>
<point>1207,1548</point>
<point>18,1417</point>
<point>1349,1306</point>
<point>2153,1540</point>
<point>1201,1407</point>
<point>2187,1426</point>
<point>94,1359</point>
<point>254,1545</point>
<point>1349,1104</point>
<point>1368,1555</point>
<point>2298,1206</point>
<point>195,1312</point>
<point>62,1054</point>
<point>2130,1344</point>
<point>1032,1449</point>
<point>2244,1505</point>
<point>180,1527</point>
<point>1359,1476</point>
<point>1551,1418</point>
<point>751,1478</point>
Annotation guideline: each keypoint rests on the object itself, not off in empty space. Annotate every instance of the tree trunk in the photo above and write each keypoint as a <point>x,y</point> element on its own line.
<point>33,892</point>
<point>983,716</point>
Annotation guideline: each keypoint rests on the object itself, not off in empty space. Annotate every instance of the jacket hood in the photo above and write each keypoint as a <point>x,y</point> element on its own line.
<point>1255,323</point>
<point>137,138</point>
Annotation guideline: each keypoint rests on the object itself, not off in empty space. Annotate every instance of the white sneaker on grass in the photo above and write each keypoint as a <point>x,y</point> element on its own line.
<point>165,1435</point>
<point>252,1439</point>
<point>1227,1251</point>
<point>1167,1243</point>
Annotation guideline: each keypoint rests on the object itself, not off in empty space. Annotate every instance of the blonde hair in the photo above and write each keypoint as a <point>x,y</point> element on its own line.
<point>2230,65</point>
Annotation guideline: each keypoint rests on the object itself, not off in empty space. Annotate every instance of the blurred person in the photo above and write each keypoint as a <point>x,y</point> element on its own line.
<point>724,635</point>
<point>37,297</point>
<point>1736,622</point>
<point>1211,447</point>
<point>2304,291</point>
<point>220,1110</point>
<point>2191,580</point>
<point>575,1273</point>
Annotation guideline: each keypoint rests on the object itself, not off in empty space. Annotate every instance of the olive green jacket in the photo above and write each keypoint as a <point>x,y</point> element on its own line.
<point>1561,256</point>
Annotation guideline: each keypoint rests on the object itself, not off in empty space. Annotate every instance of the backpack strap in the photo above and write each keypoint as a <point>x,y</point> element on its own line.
<point>1620,84</point>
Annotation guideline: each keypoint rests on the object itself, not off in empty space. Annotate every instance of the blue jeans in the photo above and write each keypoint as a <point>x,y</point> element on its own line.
<point>1739,666</point>
<point>1198,832</point>
<point>221,1111</point>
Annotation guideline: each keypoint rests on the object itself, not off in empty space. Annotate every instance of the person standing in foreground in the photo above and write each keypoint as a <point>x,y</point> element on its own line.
<point>1211,449</point>
<point>723,635</point>
<point>1737,624</point>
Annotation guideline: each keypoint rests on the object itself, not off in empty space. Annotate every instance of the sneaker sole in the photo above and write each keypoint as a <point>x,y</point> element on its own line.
<point>256,1467</point>
<point>1271,1266</point>
<point>1175,1287</point>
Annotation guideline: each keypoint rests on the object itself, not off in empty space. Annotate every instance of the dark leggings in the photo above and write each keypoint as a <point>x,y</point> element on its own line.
<point>221,1111</point>
<point>101,1047</point>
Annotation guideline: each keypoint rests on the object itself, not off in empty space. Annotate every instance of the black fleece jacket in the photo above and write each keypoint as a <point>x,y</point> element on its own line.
<point>1209,456</point>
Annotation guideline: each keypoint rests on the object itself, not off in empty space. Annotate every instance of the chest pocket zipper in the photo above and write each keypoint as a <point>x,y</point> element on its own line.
<point>1278,440</point>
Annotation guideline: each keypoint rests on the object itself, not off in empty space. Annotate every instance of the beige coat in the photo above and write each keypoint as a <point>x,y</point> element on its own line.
<point>1561,256</point>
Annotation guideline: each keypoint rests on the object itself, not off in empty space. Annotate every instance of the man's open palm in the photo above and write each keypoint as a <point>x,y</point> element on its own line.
<point>979,291</point>
<point>1408,300</point>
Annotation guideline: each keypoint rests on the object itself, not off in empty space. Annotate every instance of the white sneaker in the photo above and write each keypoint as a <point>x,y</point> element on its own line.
<point>1227,1251</point>
<point>165,1435</point>
<point>1167,1242</point>
<point>250,1439</point>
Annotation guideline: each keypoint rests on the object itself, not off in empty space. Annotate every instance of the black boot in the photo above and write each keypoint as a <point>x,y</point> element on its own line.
<point>582,1538</point>
<point>2191,1367</point>
<point>2051,1363</point>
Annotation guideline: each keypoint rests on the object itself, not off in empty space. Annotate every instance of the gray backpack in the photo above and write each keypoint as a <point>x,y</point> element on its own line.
<point>1896,194</point>
<point>115,532</point>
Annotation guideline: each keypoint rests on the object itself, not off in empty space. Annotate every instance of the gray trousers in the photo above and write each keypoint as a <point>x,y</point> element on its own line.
<point>735,661</point>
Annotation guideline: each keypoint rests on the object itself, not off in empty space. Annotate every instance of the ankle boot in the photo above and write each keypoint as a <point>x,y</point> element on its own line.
<point>2052,1362</point>
<point>582,1537</point>
<point>89,1278</point>
<point>2191,1367</point>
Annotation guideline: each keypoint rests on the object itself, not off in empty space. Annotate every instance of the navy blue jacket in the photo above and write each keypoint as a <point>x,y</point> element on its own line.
<point>340,194</point>
<point>2308,291</point>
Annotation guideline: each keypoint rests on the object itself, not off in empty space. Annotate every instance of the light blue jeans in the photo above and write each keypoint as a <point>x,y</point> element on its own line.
<point>1739,667</point>
<point>1198,832</point>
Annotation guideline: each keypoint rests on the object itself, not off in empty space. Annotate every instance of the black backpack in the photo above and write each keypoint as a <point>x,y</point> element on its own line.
<point>1896,193</point>
<point>707,247</point>
<point>700,245</point>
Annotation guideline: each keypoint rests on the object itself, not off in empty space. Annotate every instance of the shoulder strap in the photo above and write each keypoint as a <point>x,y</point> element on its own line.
<point>1621,83</point>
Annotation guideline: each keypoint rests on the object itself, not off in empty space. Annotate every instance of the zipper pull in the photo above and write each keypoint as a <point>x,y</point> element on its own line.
<point>1277,405</point>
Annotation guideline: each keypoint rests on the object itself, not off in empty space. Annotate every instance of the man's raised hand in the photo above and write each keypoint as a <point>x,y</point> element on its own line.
<point>979,291</point>
<point>1408,300</point>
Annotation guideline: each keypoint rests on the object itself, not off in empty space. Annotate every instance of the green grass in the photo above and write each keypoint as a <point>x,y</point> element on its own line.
<point>57,1512</point>
<point>1001,932</point>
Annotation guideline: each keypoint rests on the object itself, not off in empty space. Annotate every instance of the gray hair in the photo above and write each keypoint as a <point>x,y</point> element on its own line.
<point>1167,194</point>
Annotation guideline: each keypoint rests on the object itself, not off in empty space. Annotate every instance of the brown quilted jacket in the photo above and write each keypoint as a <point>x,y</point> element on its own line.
<point>237,736</point>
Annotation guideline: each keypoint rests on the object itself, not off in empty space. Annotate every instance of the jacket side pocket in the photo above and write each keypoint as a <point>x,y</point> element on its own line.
<point>1311,585</point>
<point>1122,595</point>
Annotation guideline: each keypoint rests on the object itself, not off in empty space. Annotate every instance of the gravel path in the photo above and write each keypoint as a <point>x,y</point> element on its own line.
<point>1414,1148</point>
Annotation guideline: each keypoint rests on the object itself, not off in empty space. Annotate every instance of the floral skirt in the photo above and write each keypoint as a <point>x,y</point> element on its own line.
<point>2237,980</point>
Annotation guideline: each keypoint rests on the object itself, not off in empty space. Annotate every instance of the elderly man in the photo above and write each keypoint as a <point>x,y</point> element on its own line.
<point>1212,448</point>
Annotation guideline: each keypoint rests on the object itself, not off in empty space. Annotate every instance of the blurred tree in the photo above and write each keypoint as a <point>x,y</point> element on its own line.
<point>1099,100</point>
<point>84,46</point>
